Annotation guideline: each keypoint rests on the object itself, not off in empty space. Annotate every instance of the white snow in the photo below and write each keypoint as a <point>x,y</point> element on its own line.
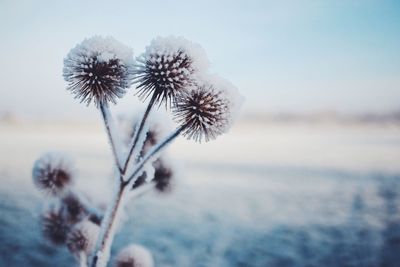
<point>137,255</point>
<point>229,92</point>
<point>106,48</point>
<point>170,46</point>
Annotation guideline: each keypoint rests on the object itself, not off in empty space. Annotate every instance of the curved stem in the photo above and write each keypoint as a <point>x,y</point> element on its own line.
<point>108,123</point>
<point>153,153</point>
<point>138,133</point>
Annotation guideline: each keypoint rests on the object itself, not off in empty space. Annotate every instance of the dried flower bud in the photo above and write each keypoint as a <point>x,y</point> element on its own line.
<point>73,209</point>
<point>206,110</point>
<point>167,67</point>
<point>82,237</point>
<point>55,228</point>
<point>134,256</point>
<point>53,173</point>
<point>162,176</point>
<point>99,69</point>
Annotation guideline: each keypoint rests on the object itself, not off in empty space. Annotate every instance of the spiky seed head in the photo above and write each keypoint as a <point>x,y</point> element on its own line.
<point>99,69</point>
<point>54,226</point>
<point>162,176</point>
<point>53,173</point>
<point>207,110</point>
<point>134,256</point>
<point>167,67</point>
<point>82,237</point>
<point>203,111</point>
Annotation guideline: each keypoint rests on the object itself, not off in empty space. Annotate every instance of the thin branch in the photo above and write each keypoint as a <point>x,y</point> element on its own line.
<point>108,123</point>
<point>103,246</point>
<point>153,153</point>
<point>138,133</point>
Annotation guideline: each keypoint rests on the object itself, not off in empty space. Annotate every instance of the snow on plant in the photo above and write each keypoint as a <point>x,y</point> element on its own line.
<point>172,72</point>
<point>134,256</point>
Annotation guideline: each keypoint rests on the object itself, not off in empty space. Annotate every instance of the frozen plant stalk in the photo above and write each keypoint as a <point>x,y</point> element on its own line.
<point>172,72</point>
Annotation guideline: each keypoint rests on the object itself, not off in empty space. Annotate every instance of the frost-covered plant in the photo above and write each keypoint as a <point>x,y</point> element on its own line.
<point>172,72</point>
<point>134,256</point>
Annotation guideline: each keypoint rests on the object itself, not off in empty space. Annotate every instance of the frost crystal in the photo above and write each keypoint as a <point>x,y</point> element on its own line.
<point>82,237</point>
<point>99,69</point>
<point>207,109</point>
<point>53,173</point>
<point>167,67</point>
<point>134,256</point>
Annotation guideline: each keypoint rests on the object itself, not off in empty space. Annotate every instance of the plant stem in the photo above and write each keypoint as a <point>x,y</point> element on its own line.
<point>153,152</point>
<point>138,133</point>
<point>108,125</point>
<point>106,236</point>
<point>82,259</point>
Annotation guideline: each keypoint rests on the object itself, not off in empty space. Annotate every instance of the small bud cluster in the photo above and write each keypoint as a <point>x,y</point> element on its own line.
<point>163,169</point>
<point>134,256</point>
<point>69,221</point>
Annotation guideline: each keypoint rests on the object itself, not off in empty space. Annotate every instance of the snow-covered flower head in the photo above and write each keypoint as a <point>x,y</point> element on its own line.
<point>134,256</point>
<point>207,109</point>
<point>99,69</point>
<point>168,66</point>
<point>54,226</point>
<point>53,173</point>
<point>82,237</point>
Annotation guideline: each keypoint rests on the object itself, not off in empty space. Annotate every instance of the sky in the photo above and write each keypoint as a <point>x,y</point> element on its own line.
<point>284,56</point>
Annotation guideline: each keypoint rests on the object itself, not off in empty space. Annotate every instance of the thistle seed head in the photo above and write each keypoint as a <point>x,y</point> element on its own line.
<point>99,69</point>
<point>203,111</point>
<point>82,237</point>
<point>53,173</point>
<point>167,67</point>
<point>134,256</point>
<point>207,109</point>
<point>54,227</point>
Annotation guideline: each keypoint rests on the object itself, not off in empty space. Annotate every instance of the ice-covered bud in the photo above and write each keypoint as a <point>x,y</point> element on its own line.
<point>53,173</point>
<point>82,237</point>
<point>167,67</point>
<point>54,227</point>
<point>207,109</point>
<point>99,69</point>
<point>162,175</point>
<point>134,256</point>
<point>73,209</point>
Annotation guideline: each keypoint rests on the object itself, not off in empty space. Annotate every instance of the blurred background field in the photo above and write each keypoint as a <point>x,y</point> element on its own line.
<point>271,193</point>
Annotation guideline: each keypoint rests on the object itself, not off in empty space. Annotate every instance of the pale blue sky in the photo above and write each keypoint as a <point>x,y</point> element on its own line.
<point>283,55</point>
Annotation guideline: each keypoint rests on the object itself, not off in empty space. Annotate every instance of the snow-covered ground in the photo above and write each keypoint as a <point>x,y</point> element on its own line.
<point>266,194</point>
